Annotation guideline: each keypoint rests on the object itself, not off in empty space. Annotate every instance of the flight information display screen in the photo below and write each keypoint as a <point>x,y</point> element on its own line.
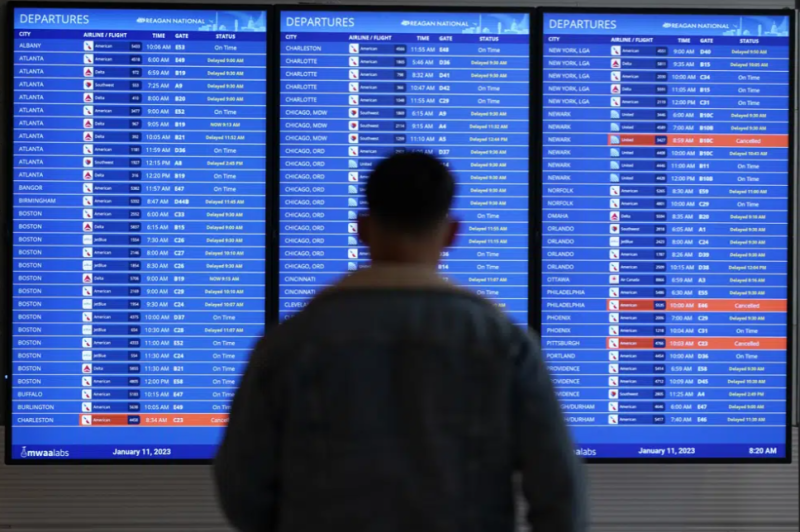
<point>665,228</point>
<point>139,208</point>
<point>357,86</point>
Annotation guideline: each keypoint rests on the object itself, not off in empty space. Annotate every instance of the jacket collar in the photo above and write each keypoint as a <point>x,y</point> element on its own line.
<point>394,277</point>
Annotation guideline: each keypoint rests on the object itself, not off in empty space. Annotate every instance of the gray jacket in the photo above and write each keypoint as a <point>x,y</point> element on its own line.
<point>396,402</point>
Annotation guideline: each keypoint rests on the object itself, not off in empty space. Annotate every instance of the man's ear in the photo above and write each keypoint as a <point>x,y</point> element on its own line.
<point>363,229</point>
<point>453,227</point>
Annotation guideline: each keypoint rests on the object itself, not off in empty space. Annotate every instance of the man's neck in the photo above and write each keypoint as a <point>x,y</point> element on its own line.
<point>415,264</point>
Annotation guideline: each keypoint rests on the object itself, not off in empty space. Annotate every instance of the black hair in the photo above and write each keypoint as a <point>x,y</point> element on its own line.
<point>410,192</point>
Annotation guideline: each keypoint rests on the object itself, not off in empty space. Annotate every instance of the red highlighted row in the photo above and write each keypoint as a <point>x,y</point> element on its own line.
<point>154,420</point>
<point>697,305</point>
<point>763,344</point>
<point>726,141</point>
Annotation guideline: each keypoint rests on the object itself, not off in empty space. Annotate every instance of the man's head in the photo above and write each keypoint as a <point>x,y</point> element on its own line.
<point>409,197</point>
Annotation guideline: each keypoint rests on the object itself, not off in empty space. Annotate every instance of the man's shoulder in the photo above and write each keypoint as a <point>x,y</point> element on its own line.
<point>370,313</point>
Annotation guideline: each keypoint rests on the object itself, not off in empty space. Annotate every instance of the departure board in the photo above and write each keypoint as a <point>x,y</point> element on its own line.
<point>665,227</point>
<point>357,86</point>
<point>139,208</point>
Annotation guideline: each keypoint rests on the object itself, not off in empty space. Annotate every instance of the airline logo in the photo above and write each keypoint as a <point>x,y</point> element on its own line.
<point>354,48</point>
<point>88,46</point>
<point>88,98</point>
<point>616,50</point>
<point>88,85</point>
<point>88,72</point>
<point>88,227</point>
<point>88,123</point>
<point>88,59</point>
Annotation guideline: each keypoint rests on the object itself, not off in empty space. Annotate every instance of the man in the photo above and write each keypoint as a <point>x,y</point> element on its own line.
<point>396,401</point>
